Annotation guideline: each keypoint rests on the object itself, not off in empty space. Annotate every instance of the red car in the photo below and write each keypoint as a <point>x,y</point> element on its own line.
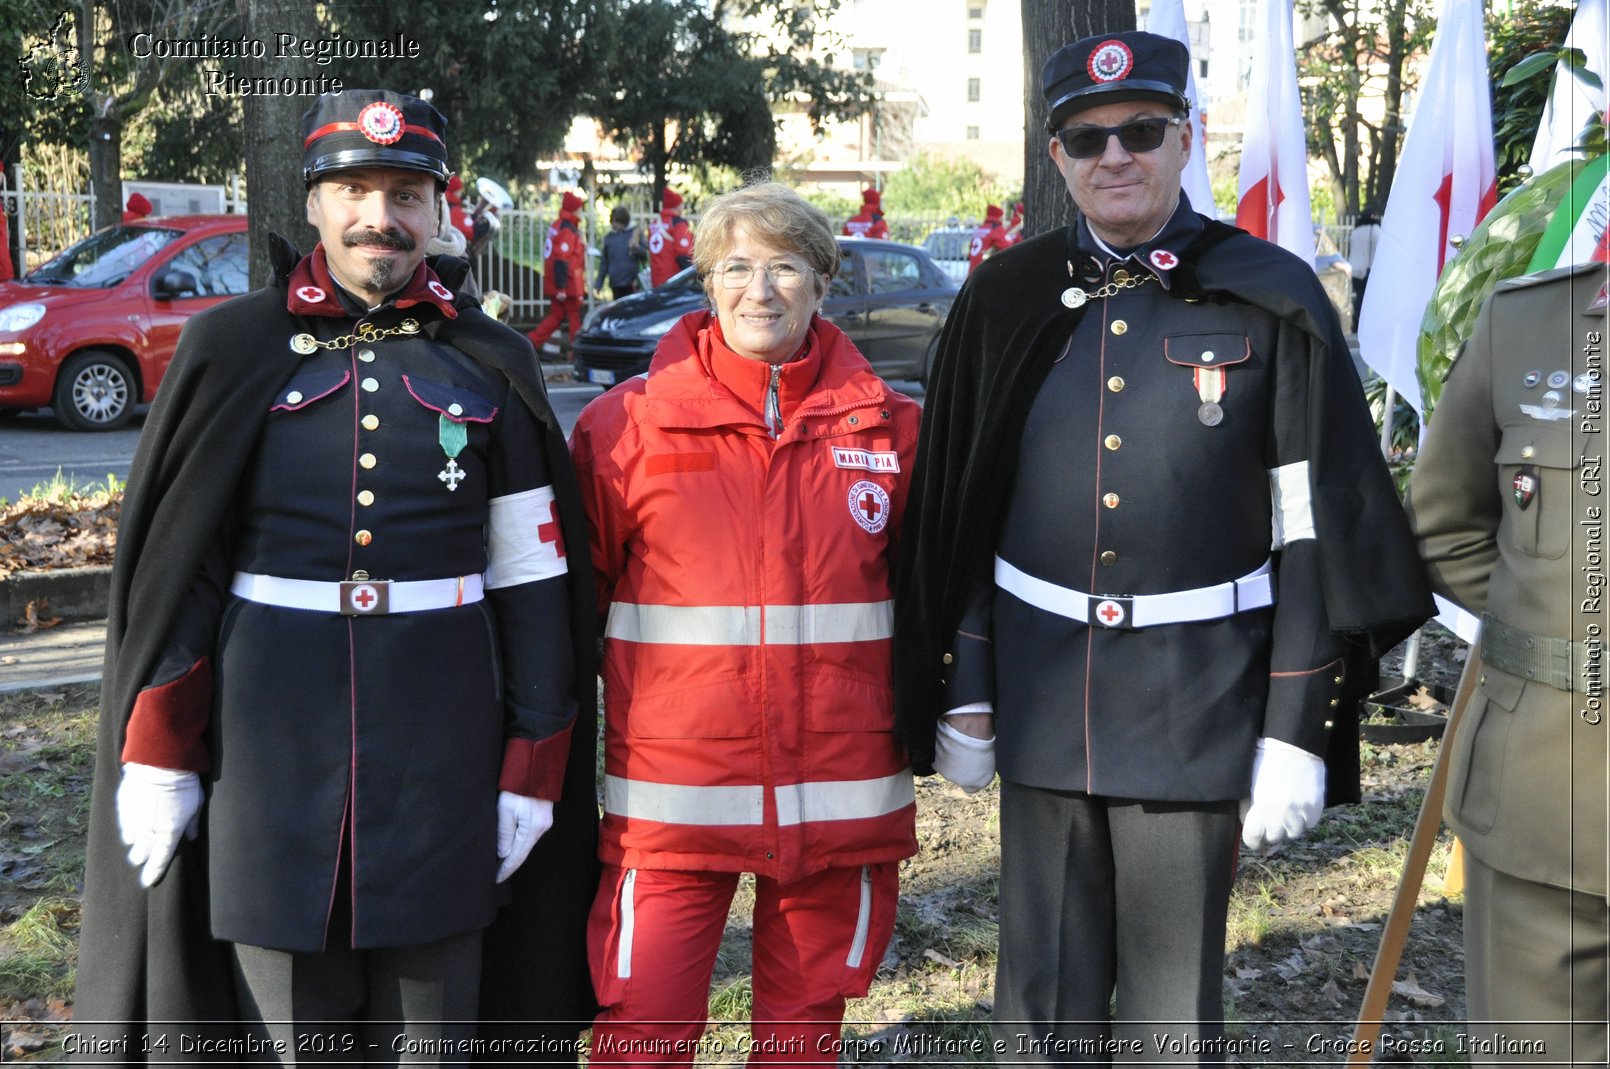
<point>91,332</point>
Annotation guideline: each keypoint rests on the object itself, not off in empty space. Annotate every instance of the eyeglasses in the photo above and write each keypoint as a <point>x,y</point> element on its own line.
<point>1137,135</point>
<point>783,274</point>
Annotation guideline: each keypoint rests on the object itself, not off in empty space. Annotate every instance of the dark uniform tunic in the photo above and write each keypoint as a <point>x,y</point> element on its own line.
<point>364,753</point>
<point>1123,489</point>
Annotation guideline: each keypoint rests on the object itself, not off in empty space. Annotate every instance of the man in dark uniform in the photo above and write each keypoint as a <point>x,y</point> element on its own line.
<point>347,646</point>
<point>1507,501</point>
<point>1151,529</point>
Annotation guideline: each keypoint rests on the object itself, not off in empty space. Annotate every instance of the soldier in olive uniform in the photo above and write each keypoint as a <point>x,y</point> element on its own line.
<point>347,647</point>
<point>1507,500</point>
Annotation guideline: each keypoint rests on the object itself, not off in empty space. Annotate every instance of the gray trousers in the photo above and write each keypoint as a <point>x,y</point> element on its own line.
<point>388,1006</point>
<point>1534,954</point>
<point>1109,896</point>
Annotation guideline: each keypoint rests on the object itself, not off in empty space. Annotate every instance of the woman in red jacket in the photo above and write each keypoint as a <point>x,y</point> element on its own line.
<point>745,498</point>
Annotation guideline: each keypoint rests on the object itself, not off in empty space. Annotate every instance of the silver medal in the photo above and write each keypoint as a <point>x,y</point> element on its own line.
<point>1210,414</point>
<point>304,344</point>
<point>1074,297</point>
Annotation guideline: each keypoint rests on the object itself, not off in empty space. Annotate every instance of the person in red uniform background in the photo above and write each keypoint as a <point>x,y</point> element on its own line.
<point>137,208</point>
<point>564,272</point>
<point>987,239</point>
<point>6,271</point>
<point>745,500</point>
<point>1014,229</point>
<point>670,241</point>
<point>869,224</point>
<point>455,208</point>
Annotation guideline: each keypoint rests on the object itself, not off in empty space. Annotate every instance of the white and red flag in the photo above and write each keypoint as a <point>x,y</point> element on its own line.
<point>1167,19</point>
<point>1273,201</point>
<point>1572,102</point>
<point>1444,185</point>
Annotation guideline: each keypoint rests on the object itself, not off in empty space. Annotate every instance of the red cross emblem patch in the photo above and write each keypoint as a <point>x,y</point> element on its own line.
<point>440,290</point>
<point>311,294</point>
<point>1164,260</point>
<point>1109,613</point>
<point>381,123</point>
<point>869,505</point>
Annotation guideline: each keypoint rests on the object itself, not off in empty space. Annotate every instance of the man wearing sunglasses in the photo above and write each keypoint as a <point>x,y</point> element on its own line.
<point>1151,553</point>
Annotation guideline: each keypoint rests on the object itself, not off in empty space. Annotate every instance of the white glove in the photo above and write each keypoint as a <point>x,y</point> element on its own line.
<point>155,805</point>
<point>1288,794</point>
<point>967,762</point>
<point>521,822</point>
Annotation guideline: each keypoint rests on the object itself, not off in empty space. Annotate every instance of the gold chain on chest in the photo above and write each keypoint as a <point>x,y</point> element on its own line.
<point>367,333</point>
<point>1074,297</point>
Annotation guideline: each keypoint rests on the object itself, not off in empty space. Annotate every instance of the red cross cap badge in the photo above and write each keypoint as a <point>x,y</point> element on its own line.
<point>1111,61</point>
<point>381,123</point>
<point>1109,613</point>
<point>1164,260</point>
<point>869,504</point>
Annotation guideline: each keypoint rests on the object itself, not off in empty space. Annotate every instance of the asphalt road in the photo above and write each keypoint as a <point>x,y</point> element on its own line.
<point>33,446</point>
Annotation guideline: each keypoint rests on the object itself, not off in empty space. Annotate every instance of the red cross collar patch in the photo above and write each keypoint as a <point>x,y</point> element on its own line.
<point>869,506</point>
<point>313,290</point>
<point>1111,61</point>
<point>1163,260</point>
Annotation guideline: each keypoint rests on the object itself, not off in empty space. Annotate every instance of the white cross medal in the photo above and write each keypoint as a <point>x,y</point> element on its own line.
<point>453,436</point>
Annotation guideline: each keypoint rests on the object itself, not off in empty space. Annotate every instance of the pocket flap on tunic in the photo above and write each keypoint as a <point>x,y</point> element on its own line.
<point>1206,350</point>
<point>1536,443</point>
<point>457,403</point>
<point>309,386</point>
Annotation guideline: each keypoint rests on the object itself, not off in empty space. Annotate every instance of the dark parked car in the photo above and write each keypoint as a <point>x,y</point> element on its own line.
<point>891,299</point>
<point>90,332</point>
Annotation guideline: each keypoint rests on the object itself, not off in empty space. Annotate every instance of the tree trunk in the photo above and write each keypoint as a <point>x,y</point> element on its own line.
<point>1392,118</point>
<point>1047,26</point>
<point>276,197</point>
<point>105,131</point>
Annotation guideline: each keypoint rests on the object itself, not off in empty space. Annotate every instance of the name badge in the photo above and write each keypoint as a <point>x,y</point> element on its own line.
<point>866,460</point>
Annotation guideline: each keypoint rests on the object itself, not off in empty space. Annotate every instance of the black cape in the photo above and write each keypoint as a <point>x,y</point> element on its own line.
<point>1004,331</point>
<point>149,968</point>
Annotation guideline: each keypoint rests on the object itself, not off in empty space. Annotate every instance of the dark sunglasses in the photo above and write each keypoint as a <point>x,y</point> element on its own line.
<point>1137,135</point>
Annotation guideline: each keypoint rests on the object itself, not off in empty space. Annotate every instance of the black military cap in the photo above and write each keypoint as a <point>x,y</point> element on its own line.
<point>1114,67</point>
<point>373,128</point>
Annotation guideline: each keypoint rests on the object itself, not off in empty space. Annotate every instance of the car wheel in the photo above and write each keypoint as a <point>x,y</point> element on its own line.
<point>95,391</point>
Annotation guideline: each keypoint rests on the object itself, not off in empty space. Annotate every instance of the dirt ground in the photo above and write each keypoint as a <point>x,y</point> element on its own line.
<point>1305,920</point>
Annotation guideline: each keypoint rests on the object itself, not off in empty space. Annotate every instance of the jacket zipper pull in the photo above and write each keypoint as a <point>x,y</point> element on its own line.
<point>774,404</point>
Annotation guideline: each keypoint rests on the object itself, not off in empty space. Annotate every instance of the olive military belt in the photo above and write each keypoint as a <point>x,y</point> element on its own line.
<point>1558,662</point>
<point>367,597</point>
<point>1128,612</point>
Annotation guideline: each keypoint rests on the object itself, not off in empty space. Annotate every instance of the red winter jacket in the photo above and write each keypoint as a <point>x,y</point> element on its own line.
<point>747,582</point>
<point>670,246</point>
<point>868,224</point>
<point>564,257</point>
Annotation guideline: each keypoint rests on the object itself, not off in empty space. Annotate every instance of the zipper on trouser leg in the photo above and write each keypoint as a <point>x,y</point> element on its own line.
<point>863,921</point>
<point>623,951</point>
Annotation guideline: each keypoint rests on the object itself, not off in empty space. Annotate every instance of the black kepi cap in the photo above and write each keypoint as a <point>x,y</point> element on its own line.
<point>1114,67</point>
<point>373,128</point>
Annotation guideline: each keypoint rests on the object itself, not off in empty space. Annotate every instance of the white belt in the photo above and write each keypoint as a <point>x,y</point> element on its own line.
<point>372,597</point>
<point>1126,612</point>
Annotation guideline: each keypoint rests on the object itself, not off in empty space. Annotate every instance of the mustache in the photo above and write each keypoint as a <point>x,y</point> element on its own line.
<point>384,239</point>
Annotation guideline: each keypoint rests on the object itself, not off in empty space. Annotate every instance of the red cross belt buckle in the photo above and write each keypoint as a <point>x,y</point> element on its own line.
<point>1114,613</point>
<point>370,597</point>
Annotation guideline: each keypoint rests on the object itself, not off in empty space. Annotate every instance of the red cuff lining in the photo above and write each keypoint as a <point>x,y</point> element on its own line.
<point>168,725</point>
<point>536,768</point>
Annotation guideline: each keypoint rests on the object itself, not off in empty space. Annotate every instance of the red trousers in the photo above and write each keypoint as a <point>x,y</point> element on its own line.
<point>558,311</point>
<point>652,941</point>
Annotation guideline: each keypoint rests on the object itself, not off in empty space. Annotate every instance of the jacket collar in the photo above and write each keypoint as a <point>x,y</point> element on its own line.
<point>696,381</point>
<point>313,292</point>
<point>1158,255</point>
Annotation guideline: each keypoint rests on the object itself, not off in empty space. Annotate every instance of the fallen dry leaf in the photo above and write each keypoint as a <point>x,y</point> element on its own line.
<point>35,617</point>
<point>933,955</point>
<point>1360,972</point>
<point>1331,993</point>
<point>1410,989</point>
